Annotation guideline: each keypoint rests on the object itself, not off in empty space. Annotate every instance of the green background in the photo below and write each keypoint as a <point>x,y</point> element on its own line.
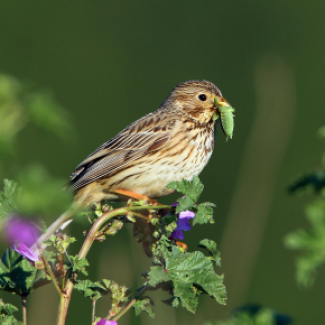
<point>111,62</point>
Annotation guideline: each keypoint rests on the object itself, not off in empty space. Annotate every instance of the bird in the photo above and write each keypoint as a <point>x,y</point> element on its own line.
<point>172,143</point>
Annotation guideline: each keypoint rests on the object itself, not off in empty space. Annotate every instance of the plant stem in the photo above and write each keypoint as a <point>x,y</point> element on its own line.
<point>93,315</point>
<point>130,304</point>
<point>66,297</point>
<point>62,312</point>
<point>140,215</point>
<point>24,308</point>
<point>48,269</point>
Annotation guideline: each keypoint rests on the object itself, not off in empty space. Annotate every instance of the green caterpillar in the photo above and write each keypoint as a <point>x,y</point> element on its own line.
<point>226,115</point>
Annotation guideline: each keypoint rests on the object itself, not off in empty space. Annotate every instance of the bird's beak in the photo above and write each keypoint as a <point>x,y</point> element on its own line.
<point>219,102</point>
<point>223,102</point>
<point>224,111</point>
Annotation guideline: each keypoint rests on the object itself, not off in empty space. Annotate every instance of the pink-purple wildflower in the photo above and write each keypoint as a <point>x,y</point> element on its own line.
<point>22,234</point>
<point>25,251</point>
<point>182,224</point>
<point>106,322</point>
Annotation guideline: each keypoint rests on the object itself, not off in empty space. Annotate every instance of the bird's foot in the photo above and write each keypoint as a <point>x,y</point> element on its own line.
<point>133,195</point>
<point>181,245</point>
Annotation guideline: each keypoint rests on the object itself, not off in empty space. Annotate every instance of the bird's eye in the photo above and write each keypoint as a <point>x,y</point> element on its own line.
<point>202,97</point>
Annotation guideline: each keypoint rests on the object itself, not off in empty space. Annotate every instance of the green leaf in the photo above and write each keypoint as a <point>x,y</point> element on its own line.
<point>79,264</point>
<point>190,189</point>
<point>157,274</point>
<point>8,198</point>
<point>211,246</point>
<point>191,274</point>
<point>204,213</point>
<point>9,320</point>
<point>144,305</point>
<point>17,274</point>
<point>119,296</point>
<point>93,290</point>
<point>185,203</point>
<point>310,242</point>
<point>6,314</point>
<point>60,243</point>
<point>186,295</point>
<point>7,309</point>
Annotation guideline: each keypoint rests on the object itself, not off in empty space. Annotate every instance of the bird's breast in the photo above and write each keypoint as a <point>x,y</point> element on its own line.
<point>186,154</point>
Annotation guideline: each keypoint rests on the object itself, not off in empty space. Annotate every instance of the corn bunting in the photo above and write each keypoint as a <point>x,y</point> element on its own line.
<point>173,143</point>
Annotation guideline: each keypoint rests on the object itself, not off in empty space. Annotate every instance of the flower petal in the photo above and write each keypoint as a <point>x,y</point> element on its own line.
<point>18,229</point>
<point>177,234</point>
<point>186,215</point>
<point>106,322</point>
<point>183,225</point>
<point>23,250</point>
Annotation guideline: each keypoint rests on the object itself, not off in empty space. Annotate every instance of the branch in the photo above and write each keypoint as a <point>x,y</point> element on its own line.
<point>65,299</point>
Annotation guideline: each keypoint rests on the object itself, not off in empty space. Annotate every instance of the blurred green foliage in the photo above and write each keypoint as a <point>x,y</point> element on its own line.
<point>6,314</point>
<point>35,192</point>
<point>20,106</point>
<point>262,317</point>
<point>312,241</point>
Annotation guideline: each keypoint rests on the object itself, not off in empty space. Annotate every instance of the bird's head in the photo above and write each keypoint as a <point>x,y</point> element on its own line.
<point>203,102</point>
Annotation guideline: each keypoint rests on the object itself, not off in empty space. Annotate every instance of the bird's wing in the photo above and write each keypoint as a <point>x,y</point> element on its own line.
<point>150,133</point>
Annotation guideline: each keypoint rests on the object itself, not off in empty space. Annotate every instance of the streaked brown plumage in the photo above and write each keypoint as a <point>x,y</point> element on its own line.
<point>172,143</point>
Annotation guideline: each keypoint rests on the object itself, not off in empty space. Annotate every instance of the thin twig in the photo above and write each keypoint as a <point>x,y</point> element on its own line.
<point>65,298</point>
<point>93,315</point>
<point>48,269</point>
<point>140,215</point>
<point>24,308</point>
<point>130,304</point>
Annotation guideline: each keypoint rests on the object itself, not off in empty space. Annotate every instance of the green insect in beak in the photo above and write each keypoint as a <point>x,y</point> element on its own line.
<point>225,112</point>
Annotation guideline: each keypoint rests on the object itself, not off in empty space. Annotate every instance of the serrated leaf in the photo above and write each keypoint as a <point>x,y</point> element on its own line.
<point>93,290</point>
<point>185,203</point>
<point>144,305</point>
<point>60,243</point>
<point>190,189</point>
<point>211,246</point>
<point>17,274</point>
<point>7,309</point>
<point>119,296</point>
<point>79,264</point>
<point>156,275</point>
<point>186,295</point>
<point>204,213</point>
<point>190,273</point>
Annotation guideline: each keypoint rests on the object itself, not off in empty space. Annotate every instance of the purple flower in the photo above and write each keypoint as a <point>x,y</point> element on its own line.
<point>19,230</point>
<point>182,224</point>
<point>106,322</point>
<point>23,250</point>
<point>22,234</point>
